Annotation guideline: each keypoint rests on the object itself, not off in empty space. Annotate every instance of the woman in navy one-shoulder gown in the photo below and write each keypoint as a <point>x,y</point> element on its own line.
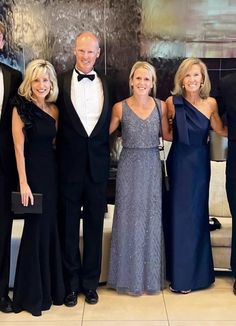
<point>193,112</point>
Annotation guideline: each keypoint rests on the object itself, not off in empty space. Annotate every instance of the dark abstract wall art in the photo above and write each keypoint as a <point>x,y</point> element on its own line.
<point>160,31</point>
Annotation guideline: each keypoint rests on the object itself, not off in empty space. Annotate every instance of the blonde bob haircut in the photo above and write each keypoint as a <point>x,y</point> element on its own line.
<point>147,66</point>
<point>181,73</point>
<point>33,70</point>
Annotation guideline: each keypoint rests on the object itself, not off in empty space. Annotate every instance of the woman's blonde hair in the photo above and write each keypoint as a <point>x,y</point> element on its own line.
<point>183,69</point>
<point>35,69</point>
<point>147,66</point>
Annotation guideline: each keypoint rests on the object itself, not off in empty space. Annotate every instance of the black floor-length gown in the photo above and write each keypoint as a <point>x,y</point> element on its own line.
<point>189,256</point>
<point>39,280</point>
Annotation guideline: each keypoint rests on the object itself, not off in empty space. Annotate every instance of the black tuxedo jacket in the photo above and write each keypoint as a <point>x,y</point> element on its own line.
<point>227,102</point>
<point>11,80</point>
<point>79,153</point>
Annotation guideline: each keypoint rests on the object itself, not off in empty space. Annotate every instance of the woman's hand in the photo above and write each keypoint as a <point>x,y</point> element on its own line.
<point>26,195</point>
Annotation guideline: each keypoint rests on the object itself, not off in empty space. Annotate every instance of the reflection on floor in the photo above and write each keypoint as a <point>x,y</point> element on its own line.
<point>212,307</point>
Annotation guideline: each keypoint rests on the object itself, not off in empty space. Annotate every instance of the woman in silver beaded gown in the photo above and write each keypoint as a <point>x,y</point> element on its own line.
<point>137,247</point>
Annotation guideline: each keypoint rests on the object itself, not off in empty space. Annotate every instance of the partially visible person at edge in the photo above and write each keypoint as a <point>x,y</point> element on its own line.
<point>83,144</point>
<point>10,80</point>
<point>39,278</point>
<point>227,100</point>
<point>137,246</point>
<point>193,112</point>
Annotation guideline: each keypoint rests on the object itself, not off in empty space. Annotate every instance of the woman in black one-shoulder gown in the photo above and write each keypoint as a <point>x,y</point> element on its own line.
<point>38,280</point>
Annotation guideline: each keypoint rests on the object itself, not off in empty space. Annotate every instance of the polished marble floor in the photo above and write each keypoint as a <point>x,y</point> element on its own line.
<point>212,307</point>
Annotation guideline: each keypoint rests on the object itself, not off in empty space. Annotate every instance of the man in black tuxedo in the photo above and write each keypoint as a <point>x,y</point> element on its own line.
<point>83,147</point>
<point>10,80</point>
<point>227,104</point>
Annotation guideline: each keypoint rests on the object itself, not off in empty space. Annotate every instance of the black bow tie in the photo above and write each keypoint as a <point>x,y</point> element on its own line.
<point>81,76</point>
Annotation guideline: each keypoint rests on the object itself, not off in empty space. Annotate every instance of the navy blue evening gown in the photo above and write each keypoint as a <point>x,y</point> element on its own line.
<point>189,256</point>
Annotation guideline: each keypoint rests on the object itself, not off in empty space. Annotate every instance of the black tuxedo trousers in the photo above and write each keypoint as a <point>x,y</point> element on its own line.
<point>82,268</point>
<point>5,234</point>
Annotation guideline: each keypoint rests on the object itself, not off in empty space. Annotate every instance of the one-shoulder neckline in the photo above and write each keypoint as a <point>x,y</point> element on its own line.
<point>197,109</point>
<point>136,115</point>
<point>47,114</point>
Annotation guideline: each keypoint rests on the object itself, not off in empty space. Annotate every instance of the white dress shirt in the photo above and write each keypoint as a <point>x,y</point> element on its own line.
<point>1,90</point>
<point>87,97</point>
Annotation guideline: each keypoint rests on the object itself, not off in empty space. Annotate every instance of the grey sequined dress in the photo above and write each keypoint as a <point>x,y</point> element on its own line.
<point>136,259</point>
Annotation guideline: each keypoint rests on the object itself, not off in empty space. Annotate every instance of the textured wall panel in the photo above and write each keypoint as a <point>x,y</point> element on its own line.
<point>160,31</point>
<point>47,29</point>
<point>123,19</point>
<point>184,28</point>
<point>12,53</point>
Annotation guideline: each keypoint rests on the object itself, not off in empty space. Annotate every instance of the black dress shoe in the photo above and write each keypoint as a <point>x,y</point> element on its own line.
<point>71,299</point>
<point>6,304</point>
<point>91,296</point>
<point>234,287</point>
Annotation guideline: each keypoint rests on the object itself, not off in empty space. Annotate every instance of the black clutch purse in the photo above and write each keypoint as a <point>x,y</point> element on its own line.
<point>18,208</point>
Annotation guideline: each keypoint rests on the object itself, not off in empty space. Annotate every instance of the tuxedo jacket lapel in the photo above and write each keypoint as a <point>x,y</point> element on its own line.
<point>71,110</point>
<point>70,107</point>
<point>105,108</point>
<point>7,87</point>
